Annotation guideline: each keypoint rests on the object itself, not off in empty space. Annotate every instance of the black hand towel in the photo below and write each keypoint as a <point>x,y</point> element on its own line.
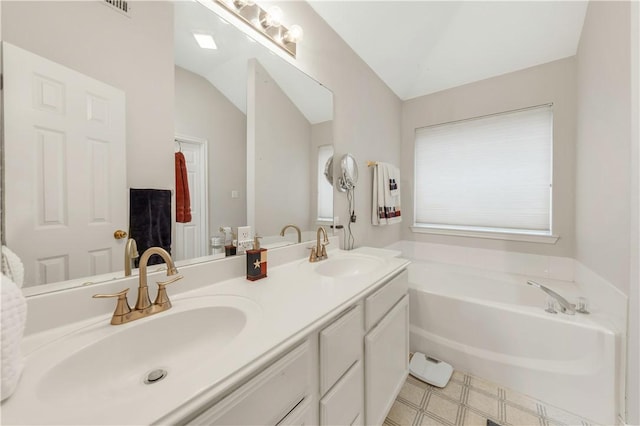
<point>150,220</point>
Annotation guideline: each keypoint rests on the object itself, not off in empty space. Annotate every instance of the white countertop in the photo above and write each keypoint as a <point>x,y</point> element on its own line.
<point>292,301</point>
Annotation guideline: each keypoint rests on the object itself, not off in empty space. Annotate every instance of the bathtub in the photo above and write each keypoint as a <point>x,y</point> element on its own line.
<point>493,325</point>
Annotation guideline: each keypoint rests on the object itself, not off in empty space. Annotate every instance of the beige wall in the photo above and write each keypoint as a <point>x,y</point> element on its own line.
<point>95,40</point>
<point>202,111</point>
<point>282,153</point>
<point>553,82</point>
<point>605,225</point>
<point>366,111</point>
<point>633,355</point>
<point>603,142</point>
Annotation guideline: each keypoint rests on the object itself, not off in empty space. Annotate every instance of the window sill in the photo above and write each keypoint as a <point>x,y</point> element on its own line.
<point>490,234</point>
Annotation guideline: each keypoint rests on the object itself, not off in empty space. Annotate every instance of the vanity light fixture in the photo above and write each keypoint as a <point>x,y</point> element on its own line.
<point>205,41</point>
<point>267,22</point>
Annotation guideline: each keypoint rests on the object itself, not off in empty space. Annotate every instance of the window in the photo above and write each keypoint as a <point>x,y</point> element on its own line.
<point>490,174</point>
<point>325,190</point>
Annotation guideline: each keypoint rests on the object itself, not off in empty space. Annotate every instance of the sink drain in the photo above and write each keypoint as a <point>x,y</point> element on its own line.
<point>155,376</point>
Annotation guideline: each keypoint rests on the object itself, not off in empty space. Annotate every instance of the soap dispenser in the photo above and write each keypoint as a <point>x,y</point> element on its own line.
<point>256,261</point>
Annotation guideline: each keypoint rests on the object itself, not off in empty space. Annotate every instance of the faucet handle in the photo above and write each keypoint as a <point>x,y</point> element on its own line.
<point>122,305</point>
<point>162,298</point>
<point>170,281</point>
<point>313,256</point>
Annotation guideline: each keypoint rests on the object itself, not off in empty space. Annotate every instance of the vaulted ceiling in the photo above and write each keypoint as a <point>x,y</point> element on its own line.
<point>422,47</point>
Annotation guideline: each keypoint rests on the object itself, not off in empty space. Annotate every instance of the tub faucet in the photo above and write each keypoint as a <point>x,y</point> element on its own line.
<point>565,306</point>
<point>294,227</point>
<point>319,252</point>
<point>143,308</point>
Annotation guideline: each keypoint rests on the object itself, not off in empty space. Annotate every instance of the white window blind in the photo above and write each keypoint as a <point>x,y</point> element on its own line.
<point>491,173</point>
<point>325,190</point>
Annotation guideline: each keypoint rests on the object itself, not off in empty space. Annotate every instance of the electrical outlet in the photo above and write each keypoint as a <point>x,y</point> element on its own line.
<point>243,234</point>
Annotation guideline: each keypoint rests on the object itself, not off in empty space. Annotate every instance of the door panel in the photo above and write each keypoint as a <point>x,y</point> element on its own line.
<point>65,172</point>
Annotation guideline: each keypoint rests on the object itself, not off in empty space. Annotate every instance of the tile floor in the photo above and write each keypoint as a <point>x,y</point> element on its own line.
<point>469,400</point>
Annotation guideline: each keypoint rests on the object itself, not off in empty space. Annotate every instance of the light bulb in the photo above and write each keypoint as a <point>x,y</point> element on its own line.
<point>274,17</point>
<point>295,34</point>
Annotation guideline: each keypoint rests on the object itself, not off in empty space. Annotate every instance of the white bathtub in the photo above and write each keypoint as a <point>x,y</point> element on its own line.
<point>493,325</point>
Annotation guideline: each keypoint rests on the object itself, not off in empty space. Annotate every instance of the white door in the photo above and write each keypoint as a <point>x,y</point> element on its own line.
<point>65,169</point>
<point>191,237</point>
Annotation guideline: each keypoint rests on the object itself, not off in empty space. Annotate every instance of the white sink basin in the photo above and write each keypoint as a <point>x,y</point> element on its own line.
<point>348,266</point>
<point>114,365</point>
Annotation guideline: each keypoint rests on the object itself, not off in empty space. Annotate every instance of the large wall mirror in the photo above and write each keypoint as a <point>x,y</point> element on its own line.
<point>250,125</point>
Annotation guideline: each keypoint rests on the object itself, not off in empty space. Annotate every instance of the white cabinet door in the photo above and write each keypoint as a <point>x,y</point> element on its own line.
<point>386,350</point>
<point>340,347</point>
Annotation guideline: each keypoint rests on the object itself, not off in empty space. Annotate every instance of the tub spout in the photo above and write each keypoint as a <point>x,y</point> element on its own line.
<point>565,306</point>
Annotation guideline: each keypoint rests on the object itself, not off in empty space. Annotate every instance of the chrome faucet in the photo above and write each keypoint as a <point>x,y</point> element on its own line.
<point>319,252</point>
<point>294,227</point>
<point>144,307</point>
<point>130,253</point>
<point>564,306</point>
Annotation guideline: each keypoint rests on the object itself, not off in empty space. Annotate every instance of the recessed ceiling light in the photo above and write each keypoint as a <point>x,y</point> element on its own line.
<point>205,41</point>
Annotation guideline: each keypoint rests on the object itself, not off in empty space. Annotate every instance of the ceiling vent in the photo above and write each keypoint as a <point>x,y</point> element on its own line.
<point>122,6</point>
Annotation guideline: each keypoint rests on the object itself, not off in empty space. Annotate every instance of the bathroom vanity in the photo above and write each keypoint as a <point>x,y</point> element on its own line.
<point>313,343</point>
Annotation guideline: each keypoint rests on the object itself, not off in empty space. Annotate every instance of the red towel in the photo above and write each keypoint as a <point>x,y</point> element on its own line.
<point>183,201</point>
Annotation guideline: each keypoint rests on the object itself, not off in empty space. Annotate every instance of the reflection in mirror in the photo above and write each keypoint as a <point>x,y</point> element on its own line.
<point>289,129</point>
<point>207,114</point>
<point>325,183</point>
<point>328,170</point>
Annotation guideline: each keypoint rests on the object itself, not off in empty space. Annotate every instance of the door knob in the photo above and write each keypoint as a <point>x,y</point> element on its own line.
<point>119,234</point>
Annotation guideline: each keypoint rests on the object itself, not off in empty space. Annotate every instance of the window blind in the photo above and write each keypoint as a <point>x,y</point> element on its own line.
<point>325,190</point>
<point>492,173</point>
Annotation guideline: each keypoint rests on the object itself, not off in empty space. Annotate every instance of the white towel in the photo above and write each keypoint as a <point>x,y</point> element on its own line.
<point>12,266</point>
<point>13,318</point>
<point>386,208</point>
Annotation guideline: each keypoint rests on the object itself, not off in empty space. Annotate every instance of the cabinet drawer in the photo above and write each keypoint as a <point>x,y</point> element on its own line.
<point>302,415</point>
<point>343,404</point>
<point>340,347</point>
<point>268,397</point>
<point>379,303</point>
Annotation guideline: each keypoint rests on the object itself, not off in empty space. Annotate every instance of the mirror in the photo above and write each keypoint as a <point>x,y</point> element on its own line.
<point>348,173</point>
<point>185,100</point>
